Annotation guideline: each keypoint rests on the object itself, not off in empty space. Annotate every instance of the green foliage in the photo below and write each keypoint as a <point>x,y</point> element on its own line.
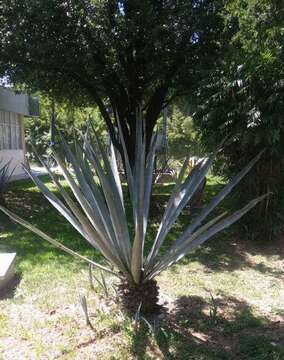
<point>182,136</point>
<point>245,93</point>
<point>243,99</point>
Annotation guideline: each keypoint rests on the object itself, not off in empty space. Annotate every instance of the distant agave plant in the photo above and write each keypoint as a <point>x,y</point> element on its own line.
<point>97,211</point>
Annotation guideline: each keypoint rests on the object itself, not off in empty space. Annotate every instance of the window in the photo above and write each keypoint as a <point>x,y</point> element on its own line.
<point>10,131</point>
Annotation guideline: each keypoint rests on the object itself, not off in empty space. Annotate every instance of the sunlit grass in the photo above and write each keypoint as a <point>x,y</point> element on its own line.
<point>44,318</point>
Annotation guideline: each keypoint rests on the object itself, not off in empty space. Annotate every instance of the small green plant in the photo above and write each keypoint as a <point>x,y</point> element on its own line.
<point>213,310</point>
<point>97,211</point>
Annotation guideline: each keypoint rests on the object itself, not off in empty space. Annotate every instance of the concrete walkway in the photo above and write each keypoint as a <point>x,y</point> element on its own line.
<point>37,170</point>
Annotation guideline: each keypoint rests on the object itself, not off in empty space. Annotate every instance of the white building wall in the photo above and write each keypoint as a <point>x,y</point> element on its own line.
<point>12,144</point>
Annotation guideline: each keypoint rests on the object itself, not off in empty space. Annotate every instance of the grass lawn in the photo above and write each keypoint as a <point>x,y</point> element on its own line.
<point>224,301</point>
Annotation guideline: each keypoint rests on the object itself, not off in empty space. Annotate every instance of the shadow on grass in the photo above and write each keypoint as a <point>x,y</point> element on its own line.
<point>9,291</point>
<point>196,329</point>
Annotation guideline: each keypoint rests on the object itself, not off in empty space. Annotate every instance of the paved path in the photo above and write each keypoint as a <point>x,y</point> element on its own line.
<point>37,170</point>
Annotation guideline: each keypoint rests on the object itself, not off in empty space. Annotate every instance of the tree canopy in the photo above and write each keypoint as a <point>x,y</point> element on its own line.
<point>117,54</point>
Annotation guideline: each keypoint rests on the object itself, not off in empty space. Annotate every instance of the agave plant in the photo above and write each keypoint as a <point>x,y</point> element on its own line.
<point>5,175</point>
<point>98,212</point>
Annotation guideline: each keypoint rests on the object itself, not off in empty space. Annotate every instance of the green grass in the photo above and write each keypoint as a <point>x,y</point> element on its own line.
<point>225,300</point>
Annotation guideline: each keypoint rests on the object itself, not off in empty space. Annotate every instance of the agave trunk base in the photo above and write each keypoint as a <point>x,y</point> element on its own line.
<point>132,295</point>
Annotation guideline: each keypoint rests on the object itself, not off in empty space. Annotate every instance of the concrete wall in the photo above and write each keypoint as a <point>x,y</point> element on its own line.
<point>18,103</point>
<point>17,156</point>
